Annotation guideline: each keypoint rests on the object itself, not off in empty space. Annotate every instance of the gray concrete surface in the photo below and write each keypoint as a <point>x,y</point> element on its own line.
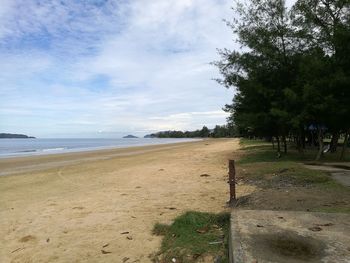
<point>259,236</point>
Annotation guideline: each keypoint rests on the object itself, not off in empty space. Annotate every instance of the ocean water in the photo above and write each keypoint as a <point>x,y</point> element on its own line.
<point>27,147</point>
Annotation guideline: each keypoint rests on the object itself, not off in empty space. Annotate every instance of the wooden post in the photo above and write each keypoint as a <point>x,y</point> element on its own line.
<point>232,181</point>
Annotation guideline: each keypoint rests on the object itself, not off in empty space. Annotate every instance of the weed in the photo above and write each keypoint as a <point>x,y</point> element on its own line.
<point>194,235</point>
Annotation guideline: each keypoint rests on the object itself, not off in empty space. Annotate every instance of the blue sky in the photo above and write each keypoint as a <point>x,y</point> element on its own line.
<point>104,68</point>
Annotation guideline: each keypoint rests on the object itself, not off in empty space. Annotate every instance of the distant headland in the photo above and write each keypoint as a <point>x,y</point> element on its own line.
<point>15,136</point>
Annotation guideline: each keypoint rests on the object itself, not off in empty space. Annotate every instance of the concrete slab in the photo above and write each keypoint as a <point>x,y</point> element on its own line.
<point>290,237</point>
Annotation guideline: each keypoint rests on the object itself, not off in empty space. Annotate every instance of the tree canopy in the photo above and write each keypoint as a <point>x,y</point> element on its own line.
<point>292,72</point>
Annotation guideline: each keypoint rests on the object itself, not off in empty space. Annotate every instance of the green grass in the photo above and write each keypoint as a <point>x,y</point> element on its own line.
<point>288,173</point>
<point>192,235</point>
<point>260,166</point>
<point>263,152</point>
<point>332,210</point>
<point>160,229</point>
<point>247,142</point>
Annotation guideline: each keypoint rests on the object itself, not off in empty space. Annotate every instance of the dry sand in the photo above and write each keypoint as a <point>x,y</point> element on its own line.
<point>70,207</point>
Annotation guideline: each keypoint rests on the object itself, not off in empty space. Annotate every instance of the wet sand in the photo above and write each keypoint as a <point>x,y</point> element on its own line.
<point>77,207</point>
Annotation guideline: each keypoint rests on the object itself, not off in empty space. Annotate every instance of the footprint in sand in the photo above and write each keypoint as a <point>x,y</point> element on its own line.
<point>78,207</point>
<point>27,238</point>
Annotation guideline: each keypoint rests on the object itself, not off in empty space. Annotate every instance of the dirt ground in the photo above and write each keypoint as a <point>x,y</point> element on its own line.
<point>288,196</point>
<point>342,175</point>
<point>101,206</point>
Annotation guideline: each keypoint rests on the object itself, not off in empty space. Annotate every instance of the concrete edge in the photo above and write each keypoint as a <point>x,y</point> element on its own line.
<point>236,252</point>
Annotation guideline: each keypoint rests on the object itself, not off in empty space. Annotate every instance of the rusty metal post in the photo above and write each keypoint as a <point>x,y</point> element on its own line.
<point>232,181</point>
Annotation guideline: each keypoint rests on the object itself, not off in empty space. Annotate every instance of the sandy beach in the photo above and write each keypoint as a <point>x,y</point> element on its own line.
<point>70,207</point>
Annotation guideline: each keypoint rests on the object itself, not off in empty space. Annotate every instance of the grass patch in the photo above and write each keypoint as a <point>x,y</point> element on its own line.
<point>287,173</point>
<point>261,151</point>
<point>160,229</point>
<point>192,236</point>
<point>286,184</point>
<point>247,142</point>
<point>332,210</point>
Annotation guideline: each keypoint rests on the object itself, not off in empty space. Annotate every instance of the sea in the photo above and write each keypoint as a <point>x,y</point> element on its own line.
<point>28,147</point>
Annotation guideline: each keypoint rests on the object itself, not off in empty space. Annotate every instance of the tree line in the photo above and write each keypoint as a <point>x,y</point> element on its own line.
<point>220,131</point>
<point>291,72</point>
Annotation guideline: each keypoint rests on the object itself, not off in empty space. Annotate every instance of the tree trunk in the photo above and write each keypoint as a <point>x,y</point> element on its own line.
<point>284,143</point>
<point>345,145</point>
<point>273,143</point>
<point>309,139</point>
<point>302,137</point>
<point>312,139</point>
<point>320,144</point>
<point>297,141</point>
<point>334,142</point>
<point>278,147</point>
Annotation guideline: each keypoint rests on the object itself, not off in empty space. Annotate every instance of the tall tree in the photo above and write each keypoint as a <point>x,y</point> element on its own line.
<point>264,72</point>
<point>293,73</point>
<point>325,25</point>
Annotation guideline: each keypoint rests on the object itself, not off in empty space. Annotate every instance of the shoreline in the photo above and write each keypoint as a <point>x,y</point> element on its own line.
<point>64,150</point>
<point>30,163</point>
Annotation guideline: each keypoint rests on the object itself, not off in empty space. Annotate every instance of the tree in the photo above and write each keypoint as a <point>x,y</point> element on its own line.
<point>293,71</point>
<point>221,131</point>
<point>204,132</point>
<point>325,25</point>
<point>264,72</point>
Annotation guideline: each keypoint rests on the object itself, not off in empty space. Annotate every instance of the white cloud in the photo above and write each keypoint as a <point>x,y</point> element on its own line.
<point>135,66</point>
<point>187,120</point>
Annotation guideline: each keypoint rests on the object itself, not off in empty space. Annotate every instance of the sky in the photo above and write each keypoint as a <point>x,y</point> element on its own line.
<point>106,68</point>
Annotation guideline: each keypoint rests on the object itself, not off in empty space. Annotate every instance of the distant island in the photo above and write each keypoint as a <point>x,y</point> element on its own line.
<point>15,136</point>
<point>130,137</point>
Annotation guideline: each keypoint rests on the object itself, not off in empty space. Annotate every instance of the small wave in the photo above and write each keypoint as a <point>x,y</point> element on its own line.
<point>27,151</point>
<point>52,149</point>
